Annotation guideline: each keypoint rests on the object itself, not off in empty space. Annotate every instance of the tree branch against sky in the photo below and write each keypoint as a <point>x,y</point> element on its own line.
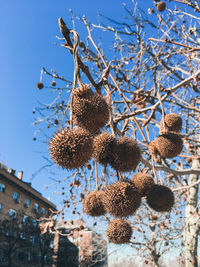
<point>145,66</point>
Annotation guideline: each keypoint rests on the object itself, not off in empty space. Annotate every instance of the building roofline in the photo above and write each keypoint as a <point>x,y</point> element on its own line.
<point>25,187</point>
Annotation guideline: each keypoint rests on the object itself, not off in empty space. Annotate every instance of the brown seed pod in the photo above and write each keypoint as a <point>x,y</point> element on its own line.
<point>168,145</point>
<point>56,121</point>
<point>119,231</point>
<point>40,85</point>
<point>121,199</point>
<point>189,160</point>
<point>88,166</point>
<point>53,83</point>
<point>103,148</point>
<point>77,183</point>
<point>89,109</point>
<point>173,123</point>
<point>160,198</point>
<point>93,205</point>
<point>143,181</point>
<point>154,217</point>
<point>71,149</point>
<point>161,6</point>
<point>126,154</point>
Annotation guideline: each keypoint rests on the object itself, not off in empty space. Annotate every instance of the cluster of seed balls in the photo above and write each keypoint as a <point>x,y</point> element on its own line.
<point>72,148</point>
<point>123,198</point>
<point>169,143</point>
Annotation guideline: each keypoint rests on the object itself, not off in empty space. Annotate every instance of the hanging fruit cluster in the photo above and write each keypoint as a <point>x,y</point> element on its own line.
<point>72,148</point>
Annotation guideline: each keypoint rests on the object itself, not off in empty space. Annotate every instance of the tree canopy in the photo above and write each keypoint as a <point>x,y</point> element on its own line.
<point>132,109</point>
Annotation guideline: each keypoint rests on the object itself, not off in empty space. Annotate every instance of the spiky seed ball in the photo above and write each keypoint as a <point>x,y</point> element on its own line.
<point>93,205</point>
<point>71,149</point>
<point>173,123</point>
<point>121,199</point>
<point>126,154</point>
<point>143,181</point>
<point>161,6</point>
<point>53,83</point>
<point>40,85</point>
<point>154,217</point>
<point>103,148</point>
<point>160,198</point>
<point>89,109</point>
<point>168,145</point>
<point>119,231</point>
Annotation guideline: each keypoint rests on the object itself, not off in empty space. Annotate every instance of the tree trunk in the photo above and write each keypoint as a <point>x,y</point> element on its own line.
<point>191,220</point>
<point>55,252</point>
<point>155,256</point>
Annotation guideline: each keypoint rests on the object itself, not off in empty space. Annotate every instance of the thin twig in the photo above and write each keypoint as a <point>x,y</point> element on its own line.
<point>154,107</point>
<point>186,187</point>
<point>113,79</point>
<point>167,169</point>
<point>162,108</point>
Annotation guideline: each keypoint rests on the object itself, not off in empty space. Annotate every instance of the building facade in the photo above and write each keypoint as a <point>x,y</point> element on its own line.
<point>18,196</point>
<point>21,209</point>
<point>92,248</point>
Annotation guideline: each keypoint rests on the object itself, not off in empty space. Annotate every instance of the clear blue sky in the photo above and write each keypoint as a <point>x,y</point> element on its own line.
<point>28,32</point>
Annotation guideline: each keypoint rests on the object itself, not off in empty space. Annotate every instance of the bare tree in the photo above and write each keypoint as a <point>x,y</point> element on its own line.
<point>152,70</point>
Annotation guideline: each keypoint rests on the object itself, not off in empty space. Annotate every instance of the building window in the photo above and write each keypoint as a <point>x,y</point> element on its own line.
<point>27,203</point>
<point>22,236</point>
<point>12,213</point>
<point>66,231</point>
<point>16,196</point>
<point>36,208</point>
<point>29,256</point>
<point>32,239</point>
<point>8,232</point>
<point>2,187</point>
<point>43,211</point>
<point>25,218</point>
<point>0,207</point>
<point>34,221</point>
<point>51,245</point>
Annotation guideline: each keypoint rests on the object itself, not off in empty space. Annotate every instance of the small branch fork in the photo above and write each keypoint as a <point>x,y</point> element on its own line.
<point>188,4</point>
<point>66,33</point>
<point>190,48</point>
<point>167,169</point>
<point>186,187</point>
<point>168,91</point>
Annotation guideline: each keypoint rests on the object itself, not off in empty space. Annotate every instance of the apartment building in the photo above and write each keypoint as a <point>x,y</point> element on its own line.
<point>22,246</point>
<point>92,248</point>
<point>18,196</point>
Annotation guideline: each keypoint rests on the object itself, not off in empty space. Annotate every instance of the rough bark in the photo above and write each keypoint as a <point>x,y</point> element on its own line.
<point>55,252</point>
<point>192,220</point>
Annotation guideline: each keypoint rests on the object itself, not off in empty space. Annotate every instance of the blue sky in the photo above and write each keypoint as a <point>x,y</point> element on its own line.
<point>28,31</point>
